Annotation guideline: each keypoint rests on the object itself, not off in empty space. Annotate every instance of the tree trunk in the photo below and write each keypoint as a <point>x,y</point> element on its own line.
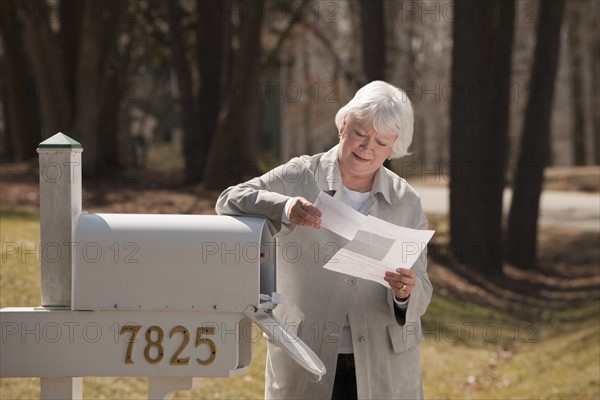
<point>595,92</point>
<point>524,210</point>
<point>192,147</point>
<point>109,122</point>
<point>577,92</point>
<point>373,39</point>
<point>96,44</point>
<point>21,136</point>
<point>212,48</point>
<point>372,24</point>
<point>71,17</point>
<point>233,151</point>
<point>479,124</point>
<point>247,75</point>
<point>417,158</point>
<point>54,103</point>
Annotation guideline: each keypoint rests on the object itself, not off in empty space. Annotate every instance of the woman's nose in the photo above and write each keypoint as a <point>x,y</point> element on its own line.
<point>367,142</point>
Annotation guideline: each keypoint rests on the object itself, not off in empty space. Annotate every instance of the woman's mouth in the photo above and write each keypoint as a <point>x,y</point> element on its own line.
<point>359,158</point>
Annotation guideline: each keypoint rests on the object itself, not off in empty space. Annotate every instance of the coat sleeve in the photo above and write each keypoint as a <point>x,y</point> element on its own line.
<point>264,196</point>
<point>421,294</point>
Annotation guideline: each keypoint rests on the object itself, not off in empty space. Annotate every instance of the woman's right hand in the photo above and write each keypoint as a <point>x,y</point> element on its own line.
<point>303,213</point>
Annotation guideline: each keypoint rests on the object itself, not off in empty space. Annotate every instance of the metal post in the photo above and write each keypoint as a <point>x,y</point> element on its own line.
<point>60,204</point>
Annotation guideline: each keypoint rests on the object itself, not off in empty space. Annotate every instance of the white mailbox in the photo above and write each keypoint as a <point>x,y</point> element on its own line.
<point>171,262</point>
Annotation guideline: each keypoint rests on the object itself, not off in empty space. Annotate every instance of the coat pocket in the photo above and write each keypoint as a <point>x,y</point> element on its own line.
<point>405,337</point>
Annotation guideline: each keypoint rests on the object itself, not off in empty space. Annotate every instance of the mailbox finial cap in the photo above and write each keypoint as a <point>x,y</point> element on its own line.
<point>59,141</point>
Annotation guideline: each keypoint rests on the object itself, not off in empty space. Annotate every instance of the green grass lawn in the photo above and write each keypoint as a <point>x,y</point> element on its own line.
<point>470,351</point>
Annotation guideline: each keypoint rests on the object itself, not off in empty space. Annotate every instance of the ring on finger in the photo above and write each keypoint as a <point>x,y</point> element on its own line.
<point>403,287</point>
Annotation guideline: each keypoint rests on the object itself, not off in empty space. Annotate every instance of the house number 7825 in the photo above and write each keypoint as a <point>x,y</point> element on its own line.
<point>154,340</point>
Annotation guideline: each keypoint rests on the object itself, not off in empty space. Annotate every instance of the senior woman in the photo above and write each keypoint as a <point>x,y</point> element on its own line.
<point>367,335</point>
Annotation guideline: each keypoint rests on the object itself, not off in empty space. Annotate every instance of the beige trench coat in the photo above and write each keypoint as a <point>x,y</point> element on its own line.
<point>386,340</point>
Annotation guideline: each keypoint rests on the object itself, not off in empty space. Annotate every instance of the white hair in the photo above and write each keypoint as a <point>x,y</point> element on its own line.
<point>387,108</point>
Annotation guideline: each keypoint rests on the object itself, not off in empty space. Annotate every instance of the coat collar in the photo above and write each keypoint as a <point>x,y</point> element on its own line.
<point>333,179</point>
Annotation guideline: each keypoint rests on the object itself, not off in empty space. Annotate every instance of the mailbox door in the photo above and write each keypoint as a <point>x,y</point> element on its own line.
<point>288,341</point>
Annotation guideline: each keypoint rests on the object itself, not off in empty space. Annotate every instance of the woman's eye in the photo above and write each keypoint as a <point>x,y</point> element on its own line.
<point>359,134</point>
<point>381,143</point>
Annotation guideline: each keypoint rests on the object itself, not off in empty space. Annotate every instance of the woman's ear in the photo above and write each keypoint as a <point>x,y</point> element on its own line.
<point>343,127</point>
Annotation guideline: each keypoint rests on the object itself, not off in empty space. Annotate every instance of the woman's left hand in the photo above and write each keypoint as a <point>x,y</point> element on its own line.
<point>402,282</point>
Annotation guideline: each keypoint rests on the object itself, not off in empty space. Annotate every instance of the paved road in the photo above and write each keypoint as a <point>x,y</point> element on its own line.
<point>568,209</point>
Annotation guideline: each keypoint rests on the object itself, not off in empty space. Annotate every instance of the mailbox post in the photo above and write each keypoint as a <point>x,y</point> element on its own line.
<point>141,295</point>
<point>60,204</point>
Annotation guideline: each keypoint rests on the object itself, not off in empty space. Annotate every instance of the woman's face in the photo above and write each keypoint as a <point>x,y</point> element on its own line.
<point>362,150</point>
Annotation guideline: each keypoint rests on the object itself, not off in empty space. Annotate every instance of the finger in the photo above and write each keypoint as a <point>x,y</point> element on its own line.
<point>408,275</point>
<point>406,272</point>
<point>401,285</point>
<point>401,291</point>
<point>396,284</point>
<point>301,215</point>
<point>310,208</point>
<point>398,287</point>
<point>309,219</point>
<point>403,288</point>
<point>310,213</point>
<point>395,275</point>
<point>392,277</point>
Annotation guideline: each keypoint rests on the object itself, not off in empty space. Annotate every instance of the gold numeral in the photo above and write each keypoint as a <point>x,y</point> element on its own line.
<point>211,345</point>
<point>154,343</point>
<point>133,330</point>
<point>175,360</point>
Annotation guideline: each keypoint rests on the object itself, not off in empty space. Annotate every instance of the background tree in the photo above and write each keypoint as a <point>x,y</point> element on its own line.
<point>481,63</point>
<point>523,218</point>
<point>595,81</point>
<point>97,43</point>
<point>69,39</point>
<point>233,151</point>
<point>574,20</point>
<point>200,110</point>
<point>54,100</point>
<point>20,116</point>
<point>373,39</point>
<point>189,112</point>
<point>372,23</point>
<point>213,37</point>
